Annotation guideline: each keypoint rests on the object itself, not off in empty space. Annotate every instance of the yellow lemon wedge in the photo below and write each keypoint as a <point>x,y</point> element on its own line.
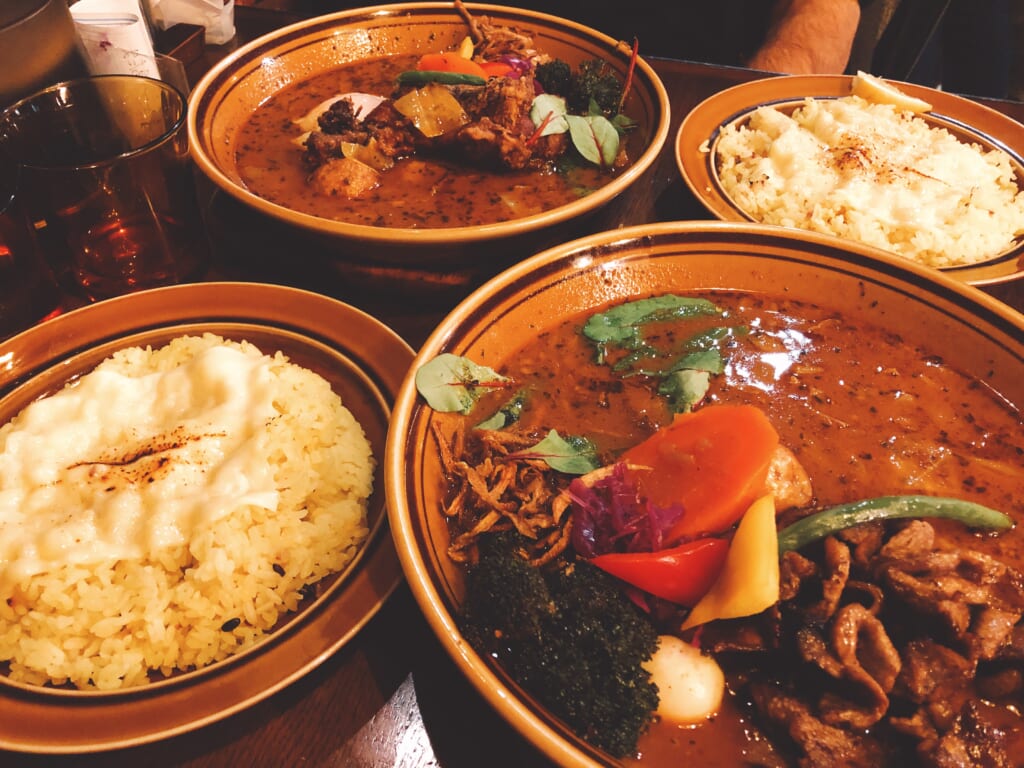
<point>878,90</point>
<point>465,49</point>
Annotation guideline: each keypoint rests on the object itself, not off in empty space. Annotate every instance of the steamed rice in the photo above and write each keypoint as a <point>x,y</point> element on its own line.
<point>184,600</point>
<point>873,173</point>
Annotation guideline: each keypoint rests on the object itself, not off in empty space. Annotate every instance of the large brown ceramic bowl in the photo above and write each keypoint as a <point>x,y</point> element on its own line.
<point>364,362</point>
<point>970,331</point>
<point>427,257</point>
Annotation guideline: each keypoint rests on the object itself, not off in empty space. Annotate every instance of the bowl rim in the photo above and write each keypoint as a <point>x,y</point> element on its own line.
<point>221,72</point>
<point>499,695</point>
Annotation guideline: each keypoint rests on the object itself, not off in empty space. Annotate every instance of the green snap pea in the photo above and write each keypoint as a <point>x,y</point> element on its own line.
<point>424,76</point>
<point>834,519</point>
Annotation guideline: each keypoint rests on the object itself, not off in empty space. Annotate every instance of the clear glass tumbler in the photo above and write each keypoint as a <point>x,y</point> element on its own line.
<point>109,182</point>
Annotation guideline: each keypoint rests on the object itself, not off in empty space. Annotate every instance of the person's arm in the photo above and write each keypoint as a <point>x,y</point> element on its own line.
<point>809,37</point>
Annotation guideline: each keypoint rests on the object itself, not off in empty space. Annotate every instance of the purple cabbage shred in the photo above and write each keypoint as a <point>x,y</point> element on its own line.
<point>611,516</point>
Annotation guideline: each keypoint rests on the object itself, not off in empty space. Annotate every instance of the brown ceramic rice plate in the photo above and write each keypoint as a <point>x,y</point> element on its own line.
<point>363,362</point>
<point>698,159</point>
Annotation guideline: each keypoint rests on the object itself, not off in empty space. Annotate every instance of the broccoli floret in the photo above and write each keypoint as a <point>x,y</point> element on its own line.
<point>594,82</point>
<point>570,638</point>
<point>555,76</point>
<point>591,82</point>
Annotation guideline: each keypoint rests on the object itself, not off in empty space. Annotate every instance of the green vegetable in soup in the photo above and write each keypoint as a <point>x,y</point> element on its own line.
<point>621,325</point>
<point>835,519</point>
<point>451,383</point>
<point>572,455</point>
<point>569,636</point>
<point>422,77</point>
<point>507,414</point>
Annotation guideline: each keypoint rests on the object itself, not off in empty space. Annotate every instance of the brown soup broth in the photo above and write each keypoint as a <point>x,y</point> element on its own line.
<point>867,413</point>
<point>418,192</point>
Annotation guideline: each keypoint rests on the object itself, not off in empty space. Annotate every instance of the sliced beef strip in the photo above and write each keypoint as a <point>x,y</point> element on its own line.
<point>833,581</point>
<point>794,571</point>
<point>971,743</point>
<point>978,598</point>
<point>990,631</point>
<point>821,745</point>
<point>870,664</point>
<point>864,541</point>
<point>928,667</point>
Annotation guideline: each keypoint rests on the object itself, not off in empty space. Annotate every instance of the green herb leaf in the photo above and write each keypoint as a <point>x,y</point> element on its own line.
<point>451,383</point>
<point>509,413</point>
<point>624,124</point>
<point>684,388</point>
<point>595,138</point>
<point>545,104</point>
<point>621,324</point>
<point>710,338</point>
<point>573,455</point>
<point>708,360</point>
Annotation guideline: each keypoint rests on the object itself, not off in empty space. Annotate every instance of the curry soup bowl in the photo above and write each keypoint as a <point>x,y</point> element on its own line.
<point>430,256</point>
<point>918,308</point>
<point>362,361</point>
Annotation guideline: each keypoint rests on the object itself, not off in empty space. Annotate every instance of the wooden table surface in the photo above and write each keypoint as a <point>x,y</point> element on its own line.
<point>392,697</point>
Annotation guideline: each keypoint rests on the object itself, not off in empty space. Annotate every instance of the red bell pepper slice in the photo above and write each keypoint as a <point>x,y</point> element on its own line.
<point>450,62</point>
<point>497,68</point>
<point>681,575</point>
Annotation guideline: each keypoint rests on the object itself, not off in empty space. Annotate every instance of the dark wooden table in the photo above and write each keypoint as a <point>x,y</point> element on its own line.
<point>392,697</point>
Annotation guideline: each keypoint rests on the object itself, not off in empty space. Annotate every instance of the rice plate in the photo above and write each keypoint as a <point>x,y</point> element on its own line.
<point>167,510</point>
<point>873,173</point>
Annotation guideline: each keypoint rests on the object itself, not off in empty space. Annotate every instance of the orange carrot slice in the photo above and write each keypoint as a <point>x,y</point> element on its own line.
<point>712,461</point>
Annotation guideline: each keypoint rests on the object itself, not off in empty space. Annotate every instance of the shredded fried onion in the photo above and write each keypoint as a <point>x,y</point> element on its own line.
<point>492,490</point>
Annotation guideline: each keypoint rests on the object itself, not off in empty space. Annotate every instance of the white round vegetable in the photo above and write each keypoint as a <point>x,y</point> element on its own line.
<point>690,684</point>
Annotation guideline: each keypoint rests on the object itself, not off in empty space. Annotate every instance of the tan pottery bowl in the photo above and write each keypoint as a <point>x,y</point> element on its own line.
<point>430,257</point>
<point>976,334</point>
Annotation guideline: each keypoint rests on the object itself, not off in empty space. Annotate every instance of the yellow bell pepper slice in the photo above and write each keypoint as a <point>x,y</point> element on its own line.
<point>749,581</point>
<point>432,109</point>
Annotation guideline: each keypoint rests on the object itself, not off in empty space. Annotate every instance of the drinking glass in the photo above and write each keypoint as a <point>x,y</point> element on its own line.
<point>27,290</point>
<point>108,179</point>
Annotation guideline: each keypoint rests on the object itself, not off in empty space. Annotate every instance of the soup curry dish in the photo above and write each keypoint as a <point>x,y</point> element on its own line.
<point>490,132</point>
<point>729,529</point>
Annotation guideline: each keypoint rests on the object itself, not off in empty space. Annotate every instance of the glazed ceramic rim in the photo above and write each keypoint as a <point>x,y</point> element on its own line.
<point>700,130</point>
<point>187,702</point>
<point>224,72</point>
<point>496,689</point>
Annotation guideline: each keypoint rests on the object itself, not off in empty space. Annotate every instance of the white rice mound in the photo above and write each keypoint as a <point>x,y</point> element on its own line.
<point>124,622</point>
<point>873,173</point>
